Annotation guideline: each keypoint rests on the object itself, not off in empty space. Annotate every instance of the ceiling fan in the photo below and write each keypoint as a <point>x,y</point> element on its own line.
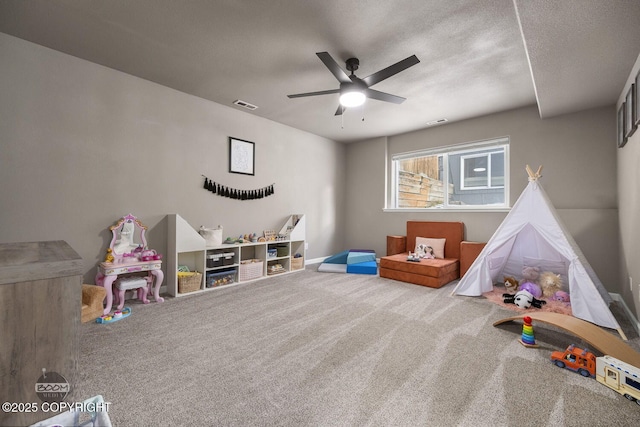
<point>354,90</point>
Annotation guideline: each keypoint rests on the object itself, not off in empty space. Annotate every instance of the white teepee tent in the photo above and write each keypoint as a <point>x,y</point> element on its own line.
<point>533,235</point>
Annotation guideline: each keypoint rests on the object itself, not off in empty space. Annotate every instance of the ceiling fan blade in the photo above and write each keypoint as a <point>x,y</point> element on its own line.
<point>382,96</point>
<point>322,92</point>
<point>333,66</point>
<point>340,110</point>
<point>391,70</point>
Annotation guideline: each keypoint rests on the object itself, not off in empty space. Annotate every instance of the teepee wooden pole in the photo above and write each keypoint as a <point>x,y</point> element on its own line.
<point>529,171</point>
<point>532,175</point>
<point>622,335</point>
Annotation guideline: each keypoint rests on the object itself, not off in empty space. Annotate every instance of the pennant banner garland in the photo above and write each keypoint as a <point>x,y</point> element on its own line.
<point>234,193</point>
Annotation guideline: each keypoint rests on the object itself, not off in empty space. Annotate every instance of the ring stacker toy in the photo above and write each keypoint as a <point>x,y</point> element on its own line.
<point>117,315</point>
<point>528,339</point>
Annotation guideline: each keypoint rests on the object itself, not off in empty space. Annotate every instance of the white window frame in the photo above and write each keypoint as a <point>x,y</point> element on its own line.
<point>458,149</point>
<point>489,174</point>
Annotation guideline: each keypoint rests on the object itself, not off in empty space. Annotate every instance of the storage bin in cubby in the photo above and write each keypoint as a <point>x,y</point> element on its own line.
<point>227,258</point>
<point>219,258</point>
<point>282,250</point>
<point>214,260</point>
<point>189,282</point>
<point>221,278</point>
<point>275,267</point>
<point>250,269</point>
<point>297,263</point>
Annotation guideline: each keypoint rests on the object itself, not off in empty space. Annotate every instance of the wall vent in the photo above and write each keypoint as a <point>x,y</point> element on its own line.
<point>437,122</point>
<point>244,104</point>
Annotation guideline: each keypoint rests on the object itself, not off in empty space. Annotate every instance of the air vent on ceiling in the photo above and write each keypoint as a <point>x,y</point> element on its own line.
<point>437,122</point>
<point>244,104</point>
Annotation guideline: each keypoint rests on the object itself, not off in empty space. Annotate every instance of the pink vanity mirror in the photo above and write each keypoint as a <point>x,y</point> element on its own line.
<point>128,239</point>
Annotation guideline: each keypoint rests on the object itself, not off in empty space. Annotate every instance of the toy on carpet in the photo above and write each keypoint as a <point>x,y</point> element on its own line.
<point>550,283</point>
<point>527,339</point>
<point>356,261</point>
<point>511,284</point>
<point>576,359</point>
<point>523,299</point>
<point>604,342</point>
<point>619,376</point>
<point>117,315</point>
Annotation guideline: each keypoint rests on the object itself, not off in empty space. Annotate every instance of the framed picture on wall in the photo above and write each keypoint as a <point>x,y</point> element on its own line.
<point>630,112</point>
<point>241,156</point>
<point>636,101</point>
<point>621,116</point>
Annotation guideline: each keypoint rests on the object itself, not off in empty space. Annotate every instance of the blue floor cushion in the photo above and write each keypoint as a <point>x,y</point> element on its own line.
<point>367,267</point>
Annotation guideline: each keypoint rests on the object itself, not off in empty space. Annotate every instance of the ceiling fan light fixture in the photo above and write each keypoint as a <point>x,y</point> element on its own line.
<point>353,98</point>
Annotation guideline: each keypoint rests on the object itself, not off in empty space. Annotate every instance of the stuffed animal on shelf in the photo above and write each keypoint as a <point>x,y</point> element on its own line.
<point>523,299</point>
<point>510,283</point>
<point>550,283</point>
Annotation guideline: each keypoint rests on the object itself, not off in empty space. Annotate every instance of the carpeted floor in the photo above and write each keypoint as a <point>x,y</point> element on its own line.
<point>324,349</point>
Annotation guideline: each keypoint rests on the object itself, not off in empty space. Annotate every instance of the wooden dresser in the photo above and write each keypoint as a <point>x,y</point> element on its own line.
<point>40,301</point>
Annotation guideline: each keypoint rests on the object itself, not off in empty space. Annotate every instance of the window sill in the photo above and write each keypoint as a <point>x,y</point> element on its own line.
<point>425,210</point>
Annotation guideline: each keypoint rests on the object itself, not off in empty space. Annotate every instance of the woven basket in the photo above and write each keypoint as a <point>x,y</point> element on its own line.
<point>250,270</point>
<point>297,263</point>
<point>189,282</point>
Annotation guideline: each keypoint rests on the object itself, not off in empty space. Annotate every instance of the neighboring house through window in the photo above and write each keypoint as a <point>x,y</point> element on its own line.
<point>467,176</point>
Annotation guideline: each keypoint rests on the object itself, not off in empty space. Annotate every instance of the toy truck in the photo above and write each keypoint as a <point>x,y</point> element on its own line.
<point>619,376</point>
<point>576,359</point>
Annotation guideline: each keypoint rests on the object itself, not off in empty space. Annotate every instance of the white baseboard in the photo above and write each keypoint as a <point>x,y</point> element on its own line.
<point>632,318</point>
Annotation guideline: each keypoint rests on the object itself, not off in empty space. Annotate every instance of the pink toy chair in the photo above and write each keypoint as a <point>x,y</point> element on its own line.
<point>124,284</point>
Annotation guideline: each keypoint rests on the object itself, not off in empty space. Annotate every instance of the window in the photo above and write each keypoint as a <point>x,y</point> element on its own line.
<point>632,383</point>
<point>465,176</point>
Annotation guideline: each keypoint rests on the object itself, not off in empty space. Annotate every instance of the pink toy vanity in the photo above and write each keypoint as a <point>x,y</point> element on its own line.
<point>128,259</point>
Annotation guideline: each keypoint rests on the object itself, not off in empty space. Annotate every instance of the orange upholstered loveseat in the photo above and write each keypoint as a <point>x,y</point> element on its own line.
<point>433,273</point>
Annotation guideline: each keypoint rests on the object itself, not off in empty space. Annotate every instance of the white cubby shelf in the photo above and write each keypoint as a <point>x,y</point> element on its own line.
<point>220,265</point>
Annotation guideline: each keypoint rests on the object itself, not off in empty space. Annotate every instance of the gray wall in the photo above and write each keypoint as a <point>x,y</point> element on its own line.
<point>629,205</point>
<point>579,158</point>
<point>82,145</point>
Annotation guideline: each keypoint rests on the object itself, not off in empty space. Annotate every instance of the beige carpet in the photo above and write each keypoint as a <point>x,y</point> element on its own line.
<point>323,349</point>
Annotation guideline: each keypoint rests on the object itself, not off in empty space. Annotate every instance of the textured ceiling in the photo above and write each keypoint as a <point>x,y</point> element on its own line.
<point>477,56</point>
